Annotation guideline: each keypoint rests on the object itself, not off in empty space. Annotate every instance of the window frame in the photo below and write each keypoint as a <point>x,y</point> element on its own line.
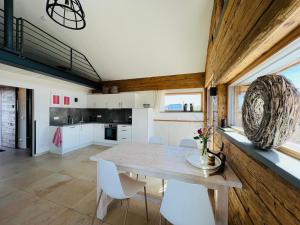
<point>185,93</point>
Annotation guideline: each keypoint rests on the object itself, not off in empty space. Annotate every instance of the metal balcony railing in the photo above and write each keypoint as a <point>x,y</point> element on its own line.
<point>32,42</point>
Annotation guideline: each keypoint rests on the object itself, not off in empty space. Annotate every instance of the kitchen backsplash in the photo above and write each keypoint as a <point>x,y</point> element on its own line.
<point>61,116</point>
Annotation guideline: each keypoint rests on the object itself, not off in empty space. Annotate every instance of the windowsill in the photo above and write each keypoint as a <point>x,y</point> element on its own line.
<point>180,112</point>
<point>284,165</point>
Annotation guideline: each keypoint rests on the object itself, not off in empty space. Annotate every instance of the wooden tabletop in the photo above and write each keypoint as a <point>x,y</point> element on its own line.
<point>167,162</point>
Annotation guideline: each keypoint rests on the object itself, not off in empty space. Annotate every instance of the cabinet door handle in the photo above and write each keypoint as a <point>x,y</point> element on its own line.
<point>124,130</point>
<point>124,138</point>
<point>72,127</point>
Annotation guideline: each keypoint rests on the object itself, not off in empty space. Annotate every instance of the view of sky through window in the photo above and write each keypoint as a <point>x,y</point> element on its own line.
<point>175,102</point>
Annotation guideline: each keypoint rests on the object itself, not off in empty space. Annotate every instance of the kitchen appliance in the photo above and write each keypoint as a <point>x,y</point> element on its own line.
<point>110,132</point>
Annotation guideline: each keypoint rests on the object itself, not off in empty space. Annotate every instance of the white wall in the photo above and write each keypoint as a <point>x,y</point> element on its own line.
<point>171,131</point>
<point>43,87</point>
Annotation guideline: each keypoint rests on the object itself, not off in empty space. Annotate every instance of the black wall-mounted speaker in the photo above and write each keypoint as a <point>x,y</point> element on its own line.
<point>213,91</point>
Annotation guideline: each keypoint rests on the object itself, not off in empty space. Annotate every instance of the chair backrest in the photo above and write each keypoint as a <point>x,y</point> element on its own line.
<point>187,204</point>
<point>110,180</point>
<point>156,140</point>
<point>188,143</point>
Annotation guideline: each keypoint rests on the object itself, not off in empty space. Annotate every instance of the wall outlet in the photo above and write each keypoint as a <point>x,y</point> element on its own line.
<point>99,116</point>
<point>56,117</point>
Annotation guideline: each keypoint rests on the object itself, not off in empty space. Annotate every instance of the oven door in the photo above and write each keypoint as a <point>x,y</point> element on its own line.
<point>110,133</point>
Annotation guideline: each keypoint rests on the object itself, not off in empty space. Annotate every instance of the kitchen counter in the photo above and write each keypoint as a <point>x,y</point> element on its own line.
<point>75,124</point>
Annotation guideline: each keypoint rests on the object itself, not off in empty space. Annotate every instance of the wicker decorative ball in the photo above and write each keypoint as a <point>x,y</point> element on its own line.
<point>270,111</point>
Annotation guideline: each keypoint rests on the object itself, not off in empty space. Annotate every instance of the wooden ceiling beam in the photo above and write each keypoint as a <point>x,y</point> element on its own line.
<point>248,30</point>
<point>181,81</point>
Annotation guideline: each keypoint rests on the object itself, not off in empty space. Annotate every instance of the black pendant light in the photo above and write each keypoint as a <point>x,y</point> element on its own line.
<point>67,13</point>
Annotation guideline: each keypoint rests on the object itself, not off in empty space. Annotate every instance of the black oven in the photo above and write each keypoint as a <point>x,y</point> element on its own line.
<point>110,132</point>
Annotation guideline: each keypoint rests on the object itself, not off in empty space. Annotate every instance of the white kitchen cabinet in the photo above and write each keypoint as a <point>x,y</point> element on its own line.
<point>145,97</point>
<point>91,101</point>
<point>127,100</point>
<point>112,101</point>
<point>124,133</point>
<point>85,134</point>
<point>70,137</point>
<point>142,125</point>
<point>98,131</point>
<point>96,101</point>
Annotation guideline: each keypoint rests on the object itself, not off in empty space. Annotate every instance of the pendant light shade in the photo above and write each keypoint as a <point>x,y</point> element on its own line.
<point>67,13</point>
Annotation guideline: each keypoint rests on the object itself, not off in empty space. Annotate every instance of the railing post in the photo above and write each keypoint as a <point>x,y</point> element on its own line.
<point>9,24</point>
<point>21,35</point>
<point>17,34</point>
<point>71,58</point>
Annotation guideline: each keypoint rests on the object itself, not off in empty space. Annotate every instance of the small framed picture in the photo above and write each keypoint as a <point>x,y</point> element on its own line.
<point>67,100</point>
<point>55,100</point>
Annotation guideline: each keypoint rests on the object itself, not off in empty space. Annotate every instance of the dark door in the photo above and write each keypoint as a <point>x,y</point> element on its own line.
<point>29,121</point>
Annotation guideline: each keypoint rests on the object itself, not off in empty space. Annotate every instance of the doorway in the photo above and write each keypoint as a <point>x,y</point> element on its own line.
<point>16,105</point>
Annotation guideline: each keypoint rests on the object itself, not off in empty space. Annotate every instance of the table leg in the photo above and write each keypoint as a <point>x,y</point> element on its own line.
<point>104,201</point>
<point>221,206</point>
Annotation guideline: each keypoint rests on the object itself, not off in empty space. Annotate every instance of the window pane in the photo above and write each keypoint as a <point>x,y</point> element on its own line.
<point>240,92</point>
<point>293,74</point>
<point>175,102</point>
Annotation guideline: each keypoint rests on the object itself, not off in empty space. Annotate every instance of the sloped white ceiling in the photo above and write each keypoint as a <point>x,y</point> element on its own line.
<point>127,39</point>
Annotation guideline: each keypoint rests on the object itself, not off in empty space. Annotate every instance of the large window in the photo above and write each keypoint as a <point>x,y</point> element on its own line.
<point>292,73</point>
<point>180,102</point>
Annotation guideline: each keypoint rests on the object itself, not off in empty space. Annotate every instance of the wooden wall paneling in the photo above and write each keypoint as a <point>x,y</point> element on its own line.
<point>181,81</point>
<point>292,36</point>
<point>222,94</point>
<point>248,30</point>
<point>204,98</point>
<point>266,198</point>
<point>237,213</point>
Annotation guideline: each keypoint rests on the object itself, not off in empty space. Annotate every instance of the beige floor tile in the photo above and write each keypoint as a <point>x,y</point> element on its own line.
<point>6,190</point>
<point>85,170</point>
<point>27,177</point>
<point>12,204</point>
<point>87,204</point>
<point>37,213</point>
<point>71,193</point>
<point>48,184</point>
<point>71,217</point>
<point>62,190</point>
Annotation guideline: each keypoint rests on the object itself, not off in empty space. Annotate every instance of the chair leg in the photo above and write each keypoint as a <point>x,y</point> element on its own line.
<point>160,219</point>
<point>137,176</point>
<point>126,212</point>
<point>146,204</point>
<point>163,187</point>
<point>95,213</point>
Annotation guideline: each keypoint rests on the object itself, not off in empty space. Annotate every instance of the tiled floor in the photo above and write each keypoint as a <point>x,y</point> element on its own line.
<point>53,190</point>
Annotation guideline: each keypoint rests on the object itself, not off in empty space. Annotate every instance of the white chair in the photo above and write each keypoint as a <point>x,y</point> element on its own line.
<point>118,186</point>
<point>156,140</point>
<point>188,143</point>
<point>186,204</point>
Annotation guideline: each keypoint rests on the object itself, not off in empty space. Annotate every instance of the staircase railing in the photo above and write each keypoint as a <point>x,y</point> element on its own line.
<point>34,43</point>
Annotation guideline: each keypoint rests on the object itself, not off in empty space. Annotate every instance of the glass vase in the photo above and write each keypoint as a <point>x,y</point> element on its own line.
<point>204,153</point>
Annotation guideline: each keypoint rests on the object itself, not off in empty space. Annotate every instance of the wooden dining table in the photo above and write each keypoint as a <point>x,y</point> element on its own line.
<point>168,162</point>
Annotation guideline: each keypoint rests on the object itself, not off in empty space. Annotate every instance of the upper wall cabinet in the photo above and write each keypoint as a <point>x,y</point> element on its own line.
<point>145,97</point>
<point>112,101</point>
<point>121,100</point>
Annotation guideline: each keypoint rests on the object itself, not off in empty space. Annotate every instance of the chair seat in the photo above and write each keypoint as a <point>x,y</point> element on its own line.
<point>131,186</point>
